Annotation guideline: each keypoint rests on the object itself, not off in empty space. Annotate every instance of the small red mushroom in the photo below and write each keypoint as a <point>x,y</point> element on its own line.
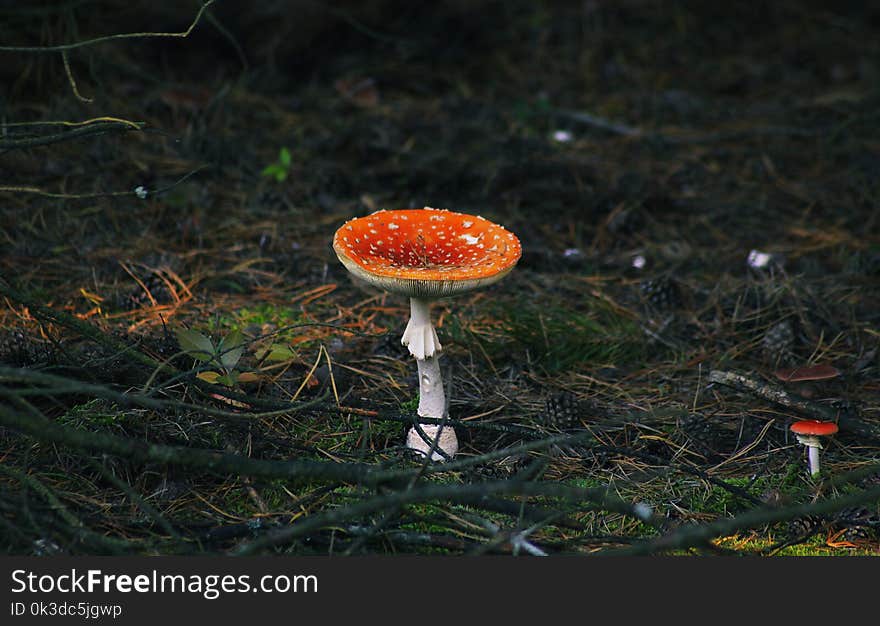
<point>808,433</point>
<point>426,254</point>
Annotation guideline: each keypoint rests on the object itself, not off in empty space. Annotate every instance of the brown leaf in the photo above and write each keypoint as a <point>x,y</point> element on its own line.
<point>188,99</point>
<point>361,92</point>
<point>807,372</point>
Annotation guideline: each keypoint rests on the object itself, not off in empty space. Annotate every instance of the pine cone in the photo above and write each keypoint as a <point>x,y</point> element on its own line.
<point>868,516</point>
<point>803,527</point>
<point>499,470</point>
<point>778,341</point>
<point>855,534</point>
<point>138,297</point>
<point>562,410</point>
<point>18,350</point>
<point>663,293</point>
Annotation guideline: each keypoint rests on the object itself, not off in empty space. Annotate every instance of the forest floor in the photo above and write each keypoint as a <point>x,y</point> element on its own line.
<point>697,193</point>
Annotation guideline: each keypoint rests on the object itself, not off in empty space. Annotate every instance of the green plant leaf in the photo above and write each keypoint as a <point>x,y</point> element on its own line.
<point>231,348</point>
<point>195,344</point>
<point>278,352</point>
<point>228,379</point>
<point>284,157</point>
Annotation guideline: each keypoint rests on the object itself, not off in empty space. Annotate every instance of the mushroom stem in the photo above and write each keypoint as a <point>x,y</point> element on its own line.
<point>432,400</point>
<point>813,447</point>
<point>813,455</point>
<point>421,338</point>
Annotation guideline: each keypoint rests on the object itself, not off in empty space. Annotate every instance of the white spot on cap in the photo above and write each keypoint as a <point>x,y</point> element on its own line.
<point>393,226</point>
<point>469,238</point>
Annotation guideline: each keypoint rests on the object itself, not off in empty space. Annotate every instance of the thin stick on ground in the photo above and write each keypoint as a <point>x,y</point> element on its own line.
<point>788,400</point>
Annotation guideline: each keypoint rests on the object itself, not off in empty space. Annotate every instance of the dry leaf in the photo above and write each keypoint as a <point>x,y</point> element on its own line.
<point>807,372</point>
<point>361,92</point>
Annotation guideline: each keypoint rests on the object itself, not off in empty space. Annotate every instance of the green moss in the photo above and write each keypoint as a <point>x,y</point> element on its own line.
<point>555,335</point>
<point>410,405</point>
<point>96,411</point>
<point>720,501</point>
<point>263,313</point>
<point>814,546</point>
<point>586,482</point>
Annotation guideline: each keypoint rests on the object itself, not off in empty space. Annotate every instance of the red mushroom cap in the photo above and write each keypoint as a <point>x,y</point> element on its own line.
<point>426,252</point>
<point>814,427</point>
<point>807,372</point>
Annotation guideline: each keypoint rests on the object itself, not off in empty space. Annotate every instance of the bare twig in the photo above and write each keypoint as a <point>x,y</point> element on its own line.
<point>95,128</point>
<point>601,123</point>
<point>72,80</point>
<point>97,40</point>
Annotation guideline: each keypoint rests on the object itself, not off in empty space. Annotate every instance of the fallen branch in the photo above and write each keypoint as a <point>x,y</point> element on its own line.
<point>67,522</point>
<point>773,393</point>
<point>50,385</point>
<point>596,499</point>
<point>699,535</point>
<point>36,425</point>
<point>778,395</point>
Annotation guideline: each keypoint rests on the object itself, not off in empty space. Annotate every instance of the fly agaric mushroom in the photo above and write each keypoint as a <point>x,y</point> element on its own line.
<point>426,254</point>
<point>808,433</point>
